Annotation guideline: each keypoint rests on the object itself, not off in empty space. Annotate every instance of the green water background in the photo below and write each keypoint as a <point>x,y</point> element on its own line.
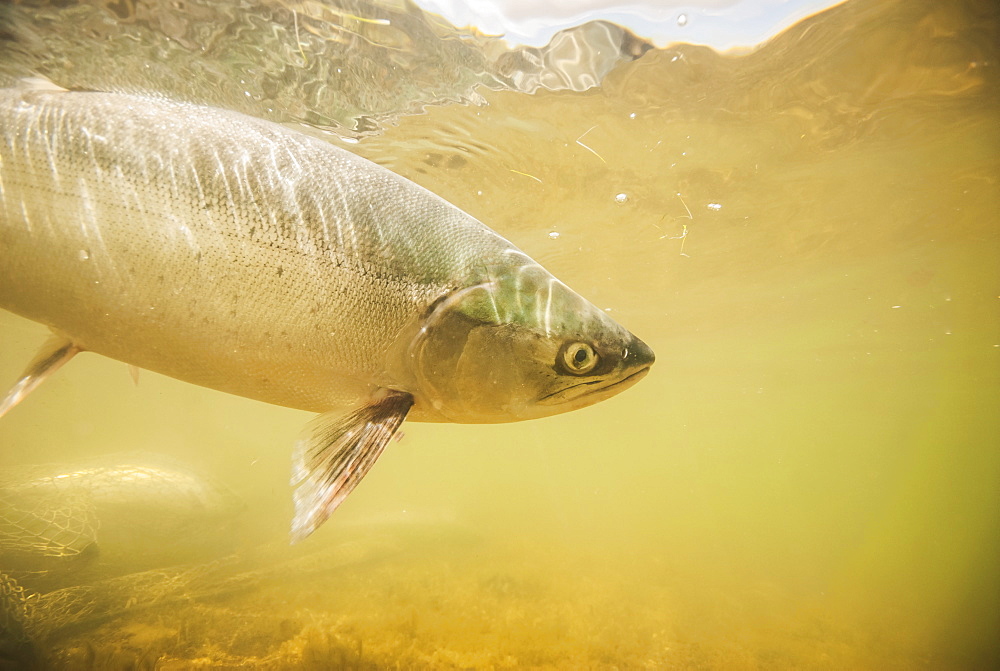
<point>809,238</point>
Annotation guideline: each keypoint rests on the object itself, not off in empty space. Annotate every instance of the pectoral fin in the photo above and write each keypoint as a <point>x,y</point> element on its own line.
<point>56,351</point>
<point>335,451</point>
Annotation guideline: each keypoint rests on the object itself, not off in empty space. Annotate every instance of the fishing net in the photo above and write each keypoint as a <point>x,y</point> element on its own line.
<point>52,521</point>
<point>43,523</point>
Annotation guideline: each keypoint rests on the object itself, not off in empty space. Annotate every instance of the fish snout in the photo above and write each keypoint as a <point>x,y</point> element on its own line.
<point>637,355</point>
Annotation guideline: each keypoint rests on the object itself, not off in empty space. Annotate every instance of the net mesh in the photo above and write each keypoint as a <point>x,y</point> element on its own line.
<point>51,520</point>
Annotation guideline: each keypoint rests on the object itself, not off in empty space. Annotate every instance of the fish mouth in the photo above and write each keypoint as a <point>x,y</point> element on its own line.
<point>589,392</point>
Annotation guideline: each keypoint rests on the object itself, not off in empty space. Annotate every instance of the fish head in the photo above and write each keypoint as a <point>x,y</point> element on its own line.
<point>519,344</point>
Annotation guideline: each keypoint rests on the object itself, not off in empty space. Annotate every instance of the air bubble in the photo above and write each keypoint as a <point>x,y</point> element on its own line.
<point>682,20</point>
<point>621,198</point>
<point>83,255</point>
<point>554,235</point>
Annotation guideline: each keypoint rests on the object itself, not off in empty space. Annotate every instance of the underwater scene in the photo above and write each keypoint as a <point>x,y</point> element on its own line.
<point>807,234</point>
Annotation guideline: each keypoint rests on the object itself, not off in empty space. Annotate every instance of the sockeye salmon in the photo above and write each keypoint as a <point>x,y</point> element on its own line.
<point>244,256</point>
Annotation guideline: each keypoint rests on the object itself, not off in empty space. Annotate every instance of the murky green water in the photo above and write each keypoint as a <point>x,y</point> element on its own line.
<point>808,236</point>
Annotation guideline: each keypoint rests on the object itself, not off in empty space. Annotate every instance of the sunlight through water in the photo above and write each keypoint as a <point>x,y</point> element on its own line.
<point>805,231</point>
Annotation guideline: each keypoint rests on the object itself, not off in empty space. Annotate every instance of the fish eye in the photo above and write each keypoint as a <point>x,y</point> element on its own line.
<point>579,358</point>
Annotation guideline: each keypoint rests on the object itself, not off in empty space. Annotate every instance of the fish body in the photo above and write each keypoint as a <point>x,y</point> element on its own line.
<point>244,256</point>
<point>219,249</point>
